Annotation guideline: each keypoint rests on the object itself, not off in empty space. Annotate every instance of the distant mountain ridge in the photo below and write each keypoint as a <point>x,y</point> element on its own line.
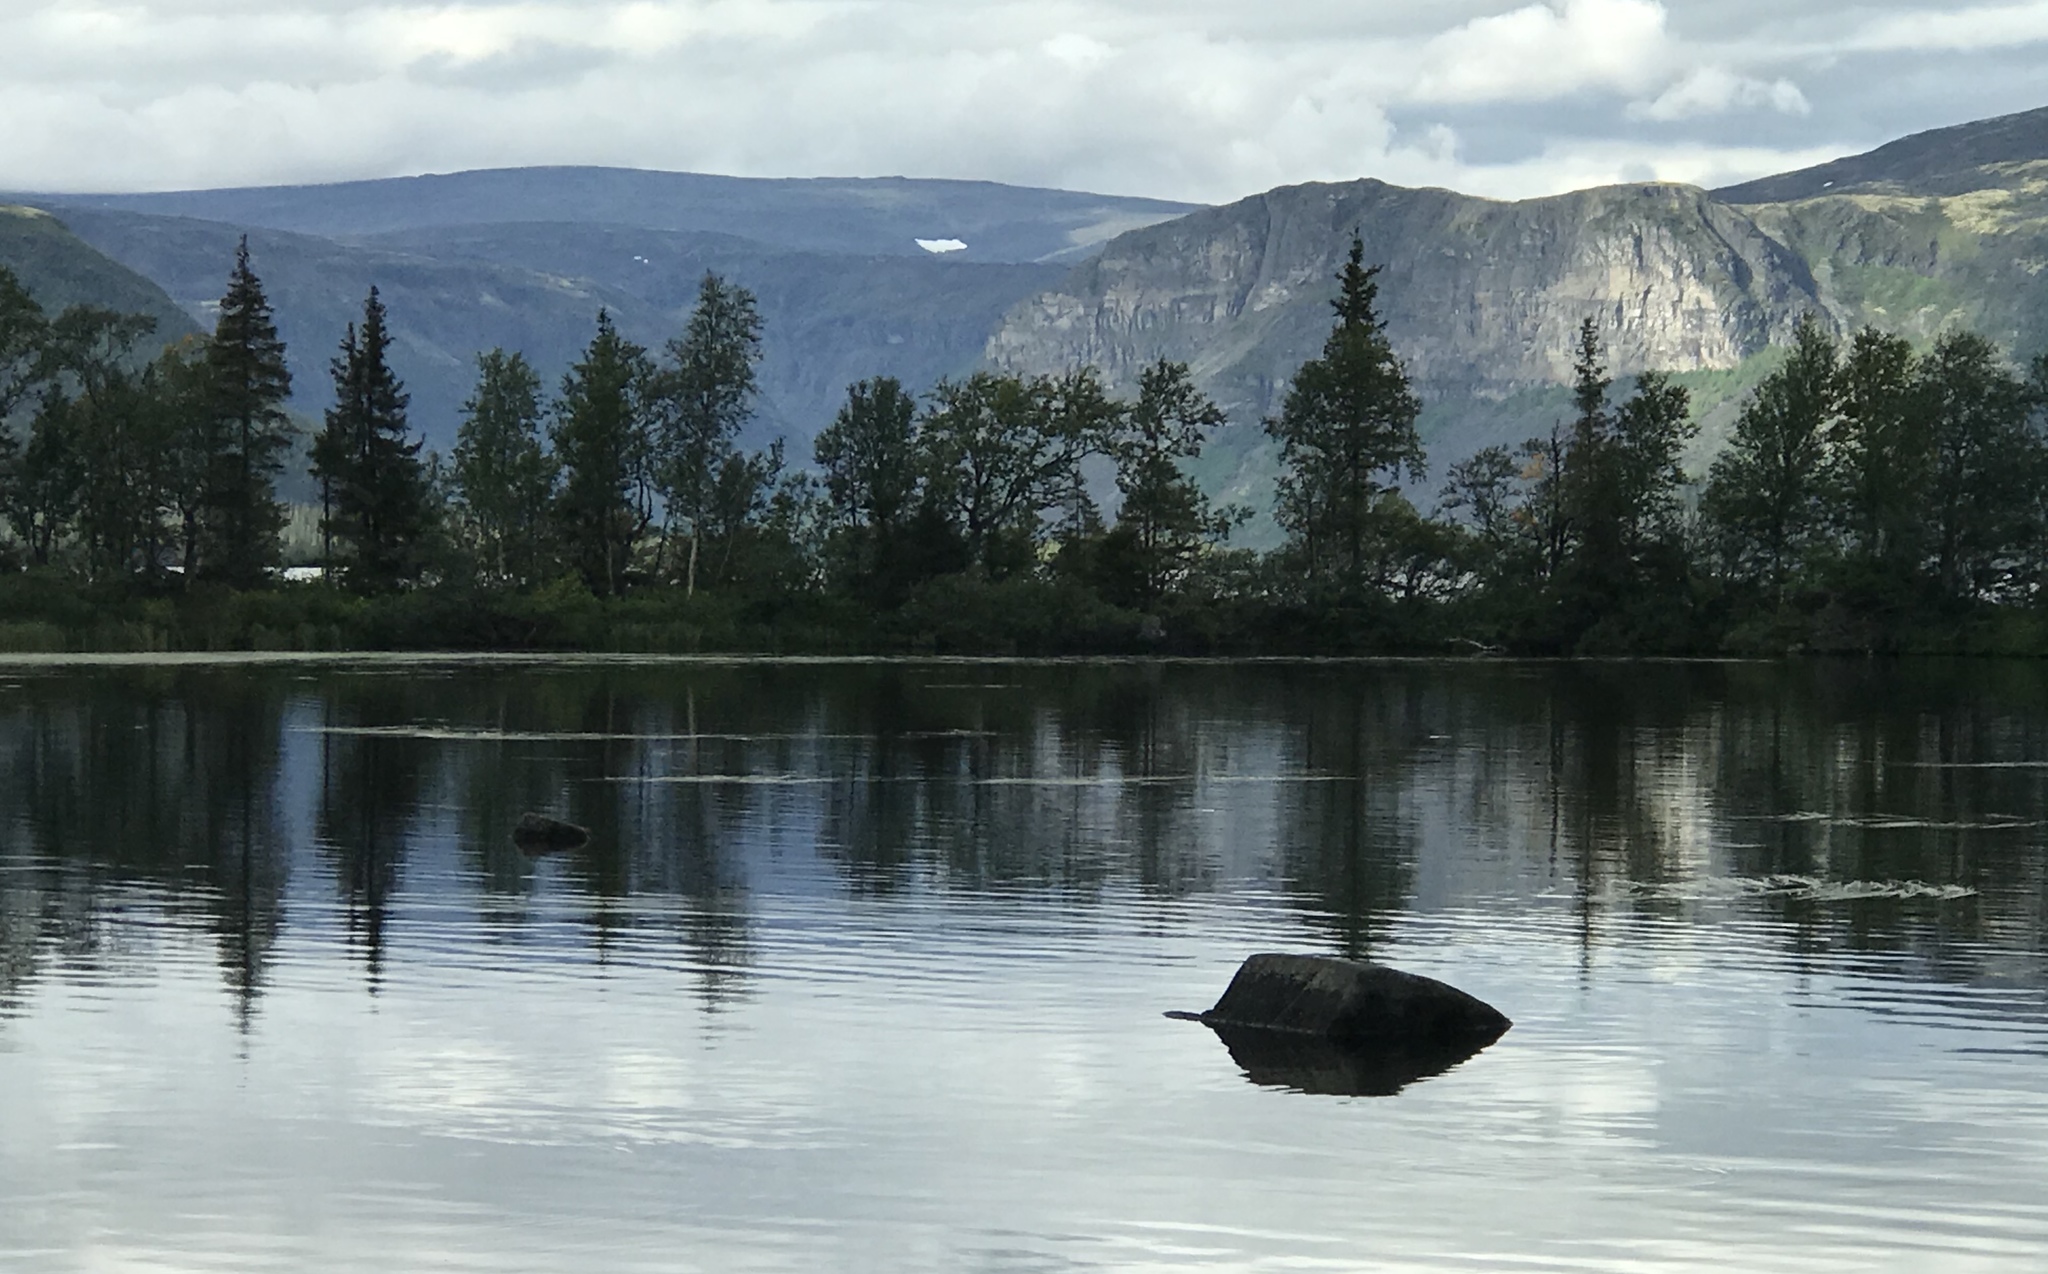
<point>859,215</point>
<point>1481,296</point>
<point>524,258</point>
<point>1942,161</point>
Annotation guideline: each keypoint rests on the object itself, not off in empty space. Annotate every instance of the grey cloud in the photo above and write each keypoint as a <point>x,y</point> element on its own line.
<point>525,67</point>
<point>1203,99</point>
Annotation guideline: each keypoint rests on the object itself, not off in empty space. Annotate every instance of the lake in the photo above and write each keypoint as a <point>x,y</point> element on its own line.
<point>864,966</point>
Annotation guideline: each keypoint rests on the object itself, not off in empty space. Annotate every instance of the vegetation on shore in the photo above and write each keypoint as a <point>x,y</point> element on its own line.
<point>1873,497</point>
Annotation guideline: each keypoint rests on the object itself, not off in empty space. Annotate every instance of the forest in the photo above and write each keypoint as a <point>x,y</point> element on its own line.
<point>1872,497</point>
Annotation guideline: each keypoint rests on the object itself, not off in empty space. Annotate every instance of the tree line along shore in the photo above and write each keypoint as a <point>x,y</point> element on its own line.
<point>1873,497</point>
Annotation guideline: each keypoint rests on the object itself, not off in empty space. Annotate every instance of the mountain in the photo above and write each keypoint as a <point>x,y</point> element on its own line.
<point>1943,161</point>
<point>537,287</point>
<point>1482,297</point>
<point>60,269</point>
<point>524,258</point>
<point>858,216</point>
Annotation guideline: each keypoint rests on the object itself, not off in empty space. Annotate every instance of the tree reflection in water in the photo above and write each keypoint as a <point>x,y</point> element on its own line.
<point>1363,794</point>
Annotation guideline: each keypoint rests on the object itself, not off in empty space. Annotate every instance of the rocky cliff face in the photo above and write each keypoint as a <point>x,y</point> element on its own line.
<point>1481,298</point>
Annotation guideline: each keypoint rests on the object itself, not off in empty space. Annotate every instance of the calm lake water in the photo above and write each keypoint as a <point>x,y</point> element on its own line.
<point>864,966</point>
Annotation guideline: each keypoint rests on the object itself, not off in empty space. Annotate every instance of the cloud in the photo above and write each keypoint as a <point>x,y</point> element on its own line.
<point>1714,90</point>
<point>1205,99</point>
<point>1969,28</point>
<point>1540,52</point>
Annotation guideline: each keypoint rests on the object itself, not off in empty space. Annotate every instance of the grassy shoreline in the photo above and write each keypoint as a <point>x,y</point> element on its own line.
<point>46,614</point>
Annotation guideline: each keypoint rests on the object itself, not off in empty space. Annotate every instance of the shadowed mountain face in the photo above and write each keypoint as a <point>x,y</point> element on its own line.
<point>537,288</point>
<point>60,269</point>
<point>524,258</point>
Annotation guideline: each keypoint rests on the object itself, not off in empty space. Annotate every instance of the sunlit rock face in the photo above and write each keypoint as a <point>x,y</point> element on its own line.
<point>1480,297</point>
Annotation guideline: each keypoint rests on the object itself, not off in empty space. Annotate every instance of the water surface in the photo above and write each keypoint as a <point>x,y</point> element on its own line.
<point>864,966</point>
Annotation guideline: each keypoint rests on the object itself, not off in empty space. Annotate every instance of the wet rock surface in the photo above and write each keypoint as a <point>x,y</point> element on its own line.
<point>1323,1024</point>
<point>1352,1001</point>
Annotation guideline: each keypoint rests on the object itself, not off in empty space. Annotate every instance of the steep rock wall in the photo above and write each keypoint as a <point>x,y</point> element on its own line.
<point>1481,297</point>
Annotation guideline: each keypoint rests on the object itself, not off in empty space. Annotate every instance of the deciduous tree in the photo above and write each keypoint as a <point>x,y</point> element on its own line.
<point>504,478</point>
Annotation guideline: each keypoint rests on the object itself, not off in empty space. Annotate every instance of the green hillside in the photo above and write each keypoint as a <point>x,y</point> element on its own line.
<point>59,269</point>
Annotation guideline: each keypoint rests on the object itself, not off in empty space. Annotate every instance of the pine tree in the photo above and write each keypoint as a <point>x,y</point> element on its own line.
<point>373,486</point>
<point>1346,434</point>
<point>603,443</point>
<point>503,477</point>
<point>246,434</point>
<point>1620,477</point>
<point>704,396</point>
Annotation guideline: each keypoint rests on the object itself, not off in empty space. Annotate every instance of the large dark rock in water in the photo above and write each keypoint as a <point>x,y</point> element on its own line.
<point>1352,1002</point>
<point>1321,1024</point>
<point>539,834</point>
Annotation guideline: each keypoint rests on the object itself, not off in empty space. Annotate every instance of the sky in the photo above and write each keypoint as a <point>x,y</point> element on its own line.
<point>1202,100</point>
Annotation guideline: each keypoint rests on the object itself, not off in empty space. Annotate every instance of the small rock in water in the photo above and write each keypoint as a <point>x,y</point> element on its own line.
<point>1321,1024</point>
<point>539,834</point>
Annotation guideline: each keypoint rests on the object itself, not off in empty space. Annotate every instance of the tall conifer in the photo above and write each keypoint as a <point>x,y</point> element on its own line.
<point>1346,433</point>
<point>602,441</point>
<point>373,486</point>
<point>246,435</point>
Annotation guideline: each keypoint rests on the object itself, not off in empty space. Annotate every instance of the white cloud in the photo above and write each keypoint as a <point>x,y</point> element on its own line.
<point>1969,28</point>
<point>1715,90</point>
<point>1205,99</point>
<point>1540,52</point>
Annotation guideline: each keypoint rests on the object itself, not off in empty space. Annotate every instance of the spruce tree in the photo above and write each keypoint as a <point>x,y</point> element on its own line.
<point>605,448</point>
<point>1620,479</point>
<point>704,395</point>
<point>373,486</point>
<point>246,434</point>
<point>1346,434</point>
<point>504,479</point>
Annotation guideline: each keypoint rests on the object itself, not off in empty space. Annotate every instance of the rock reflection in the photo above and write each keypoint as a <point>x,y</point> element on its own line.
<point>1309,1064</point>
